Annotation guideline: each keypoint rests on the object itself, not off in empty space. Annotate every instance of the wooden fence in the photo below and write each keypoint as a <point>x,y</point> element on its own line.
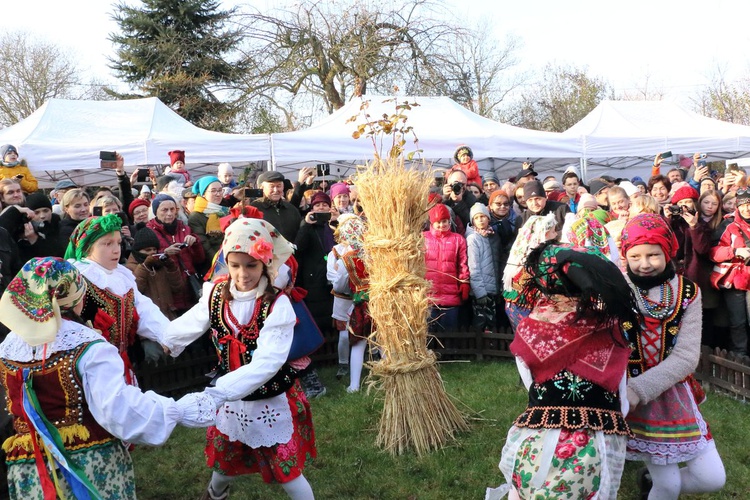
<point>717,369</point>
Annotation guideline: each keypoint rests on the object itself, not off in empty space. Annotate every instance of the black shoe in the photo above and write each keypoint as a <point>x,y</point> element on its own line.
<point>312,385</point>
<point>644,483</point>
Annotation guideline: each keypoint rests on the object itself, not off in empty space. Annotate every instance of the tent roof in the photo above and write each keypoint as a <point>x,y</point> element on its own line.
<point>616,129</point>
<point>440,124</point>
<point>67,135</point>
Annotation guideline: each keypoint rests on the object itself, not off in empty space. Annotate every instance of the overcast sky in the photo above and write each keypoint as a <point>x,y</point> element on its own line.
<point>678,44</point>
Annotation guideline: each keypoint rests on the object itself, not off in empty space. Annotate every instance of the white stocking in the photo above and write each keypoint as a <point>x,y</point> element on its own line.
<point>299,489</point>
<point>343,347</point>
<point>356,362</point>
<point>703,474</point>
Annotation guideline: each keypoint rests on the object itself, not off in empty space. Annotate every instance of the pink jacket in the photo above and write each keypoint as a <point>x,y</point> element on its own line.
<point>447,266</point>
<point>734,237</point>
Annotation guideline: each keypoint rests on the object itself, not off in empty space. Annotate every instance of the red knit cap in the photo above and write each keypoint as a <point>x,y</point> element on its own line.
<point>685,193</point>
<point>176,155</point>
<point>138,202</point>
<point>439,212</point>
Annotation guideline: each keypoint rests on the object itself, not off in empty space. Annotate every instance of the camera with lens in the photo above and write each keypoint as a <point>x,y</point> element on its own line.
<point>163,257</point>
<point>674,209</point>
<point>457,187</point>
<point>37,226</point>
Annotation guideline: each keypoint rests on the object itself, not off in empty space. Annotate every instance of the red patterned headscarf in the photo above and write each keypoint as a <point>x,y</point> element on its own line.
<point>649,229</point>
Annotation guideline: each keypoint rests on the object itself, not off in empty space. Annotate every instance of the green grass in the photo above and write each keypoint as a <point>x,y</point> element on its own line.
<point>349,466</point>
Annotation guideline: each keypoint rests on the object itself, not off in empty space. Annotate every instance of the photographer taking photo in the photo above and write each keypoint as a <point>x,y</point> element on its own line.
<point>457,197</point>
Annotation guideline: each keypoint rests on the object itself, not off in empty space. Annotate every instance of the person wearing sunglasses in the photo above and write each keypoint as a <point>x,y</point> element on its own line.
<point>503,223</point>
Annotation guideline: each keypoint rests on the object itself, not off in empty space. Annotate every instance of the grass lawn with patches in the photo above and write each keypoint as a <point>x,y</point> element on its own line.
<point>349,466</point>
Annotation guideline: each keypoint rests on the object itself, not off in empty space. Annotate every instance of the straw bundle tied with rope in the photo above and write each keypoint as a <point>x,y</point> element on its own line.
<point>417,414</point>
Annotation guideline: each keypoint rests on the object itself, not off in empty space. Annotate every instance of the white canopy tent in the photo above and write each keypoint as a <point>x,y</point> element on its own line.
<point>440,124</point>
<point>62,139</point>
<point>627,135</point>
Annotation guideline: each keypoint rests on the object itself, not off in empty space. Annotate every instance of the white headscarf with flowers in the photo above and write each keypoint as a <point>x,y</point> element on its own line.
<point>260,240</point>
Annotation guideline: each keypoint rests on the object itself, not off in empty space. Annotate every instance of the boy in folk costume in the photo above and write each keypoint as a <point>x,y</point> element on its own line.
<point>113,303</point>
<point>252,329</point>
<point>67,395</point>
<point>572,356</point>
<point>667,425</point>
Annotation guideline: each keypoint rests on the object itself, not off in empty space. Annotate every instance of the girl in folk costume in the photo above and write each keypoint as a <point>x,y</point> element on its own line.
<point>351,232</point>
<point>571,353</point>
<point>67,395</point>
<point>667,425</point>
<point>264,423</point>
<point>534,232</point>
<point>585,230</point>
<point>342,296</point>
<point>113,303</point>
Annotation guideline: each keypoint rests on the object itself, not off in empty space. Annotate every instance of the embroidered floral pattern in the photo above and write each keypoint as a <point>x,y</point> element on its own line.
<point>575,467</point>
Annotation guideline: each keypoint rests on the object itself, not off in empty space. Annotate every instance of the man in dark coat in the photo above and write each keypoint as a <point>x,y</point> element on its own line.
<point>284,216</point>
<point>538,204</point>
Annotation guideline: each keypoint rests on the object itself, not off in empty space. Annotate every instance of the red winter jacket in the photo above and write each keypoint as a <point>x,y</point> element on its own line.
<point>447,266</point>
<point>471,169</point>
<point>734,237</point>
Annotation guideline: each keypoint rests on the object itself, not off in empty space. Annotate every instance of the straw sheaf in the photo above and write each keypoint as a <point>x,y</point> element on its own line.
<point>417,413</point>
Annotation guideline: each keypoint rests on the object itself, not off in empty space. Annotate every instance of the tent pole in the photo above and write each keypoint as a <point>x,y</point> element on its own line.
<point>271,150</point>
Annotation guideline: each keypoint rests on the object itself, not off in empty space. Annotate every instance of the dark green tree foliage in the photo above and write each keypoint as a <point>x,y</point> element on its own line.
<point>177,50</point>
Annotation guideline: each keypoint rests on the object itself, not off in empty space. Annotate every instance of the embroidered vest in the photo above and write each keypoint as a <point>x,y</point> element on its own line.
<point>114,315</point>
<point>670,328</point>
<point>59,389</point>
<point>359,280</point>
<point>572,402</point>
<point>236,349</point>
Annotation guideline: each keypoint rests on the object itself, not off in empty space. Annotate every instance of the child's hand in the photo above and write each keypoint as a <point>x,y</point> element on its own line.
<point>633,398</point>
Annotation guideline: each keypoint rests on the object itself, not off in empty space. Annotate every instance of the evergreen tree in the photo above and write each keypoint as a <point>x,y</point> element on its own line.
<point>177,50</point>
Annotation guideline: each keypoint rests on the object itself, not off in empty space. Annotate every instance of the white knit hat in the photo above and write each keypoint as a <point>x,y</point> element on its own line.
<point>479,208</point>
<point>225,168</point>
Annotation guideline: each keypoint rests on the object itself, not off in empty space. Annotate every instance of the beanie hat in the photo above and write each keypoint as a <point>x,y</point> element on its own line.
<point>629,187</point>
<point>743,197</point>
<point>225,168</point>
<point>439,212</point>
<point>175,156</point>
<point>138,202</point>
<point>201,185</point>
<point>339,188</point>
<point>145,238</point>
<point>685,193</point>
<point>320,197</point>
<point>532,189</point>
<point>597,185</point>
<point>38,200</point>
<point>571,169</point>
<point>491,176</point>
<point>159,199</point>
<point>496,193</point>
<point>5,149</point>
<point>477,209</point>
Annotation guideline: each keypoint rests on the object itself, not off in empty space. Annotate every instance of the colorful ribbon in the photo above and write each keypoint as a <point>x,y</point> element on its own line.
<point>45,436</point>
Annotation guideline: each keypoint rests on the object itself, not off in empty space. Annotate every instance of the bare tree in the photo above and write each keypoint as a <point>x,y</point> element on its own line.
<point>334,53</point>
<point>33,73</point>
<point>644,90</point>
<point>562,97</point>
<point>723,100</point>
